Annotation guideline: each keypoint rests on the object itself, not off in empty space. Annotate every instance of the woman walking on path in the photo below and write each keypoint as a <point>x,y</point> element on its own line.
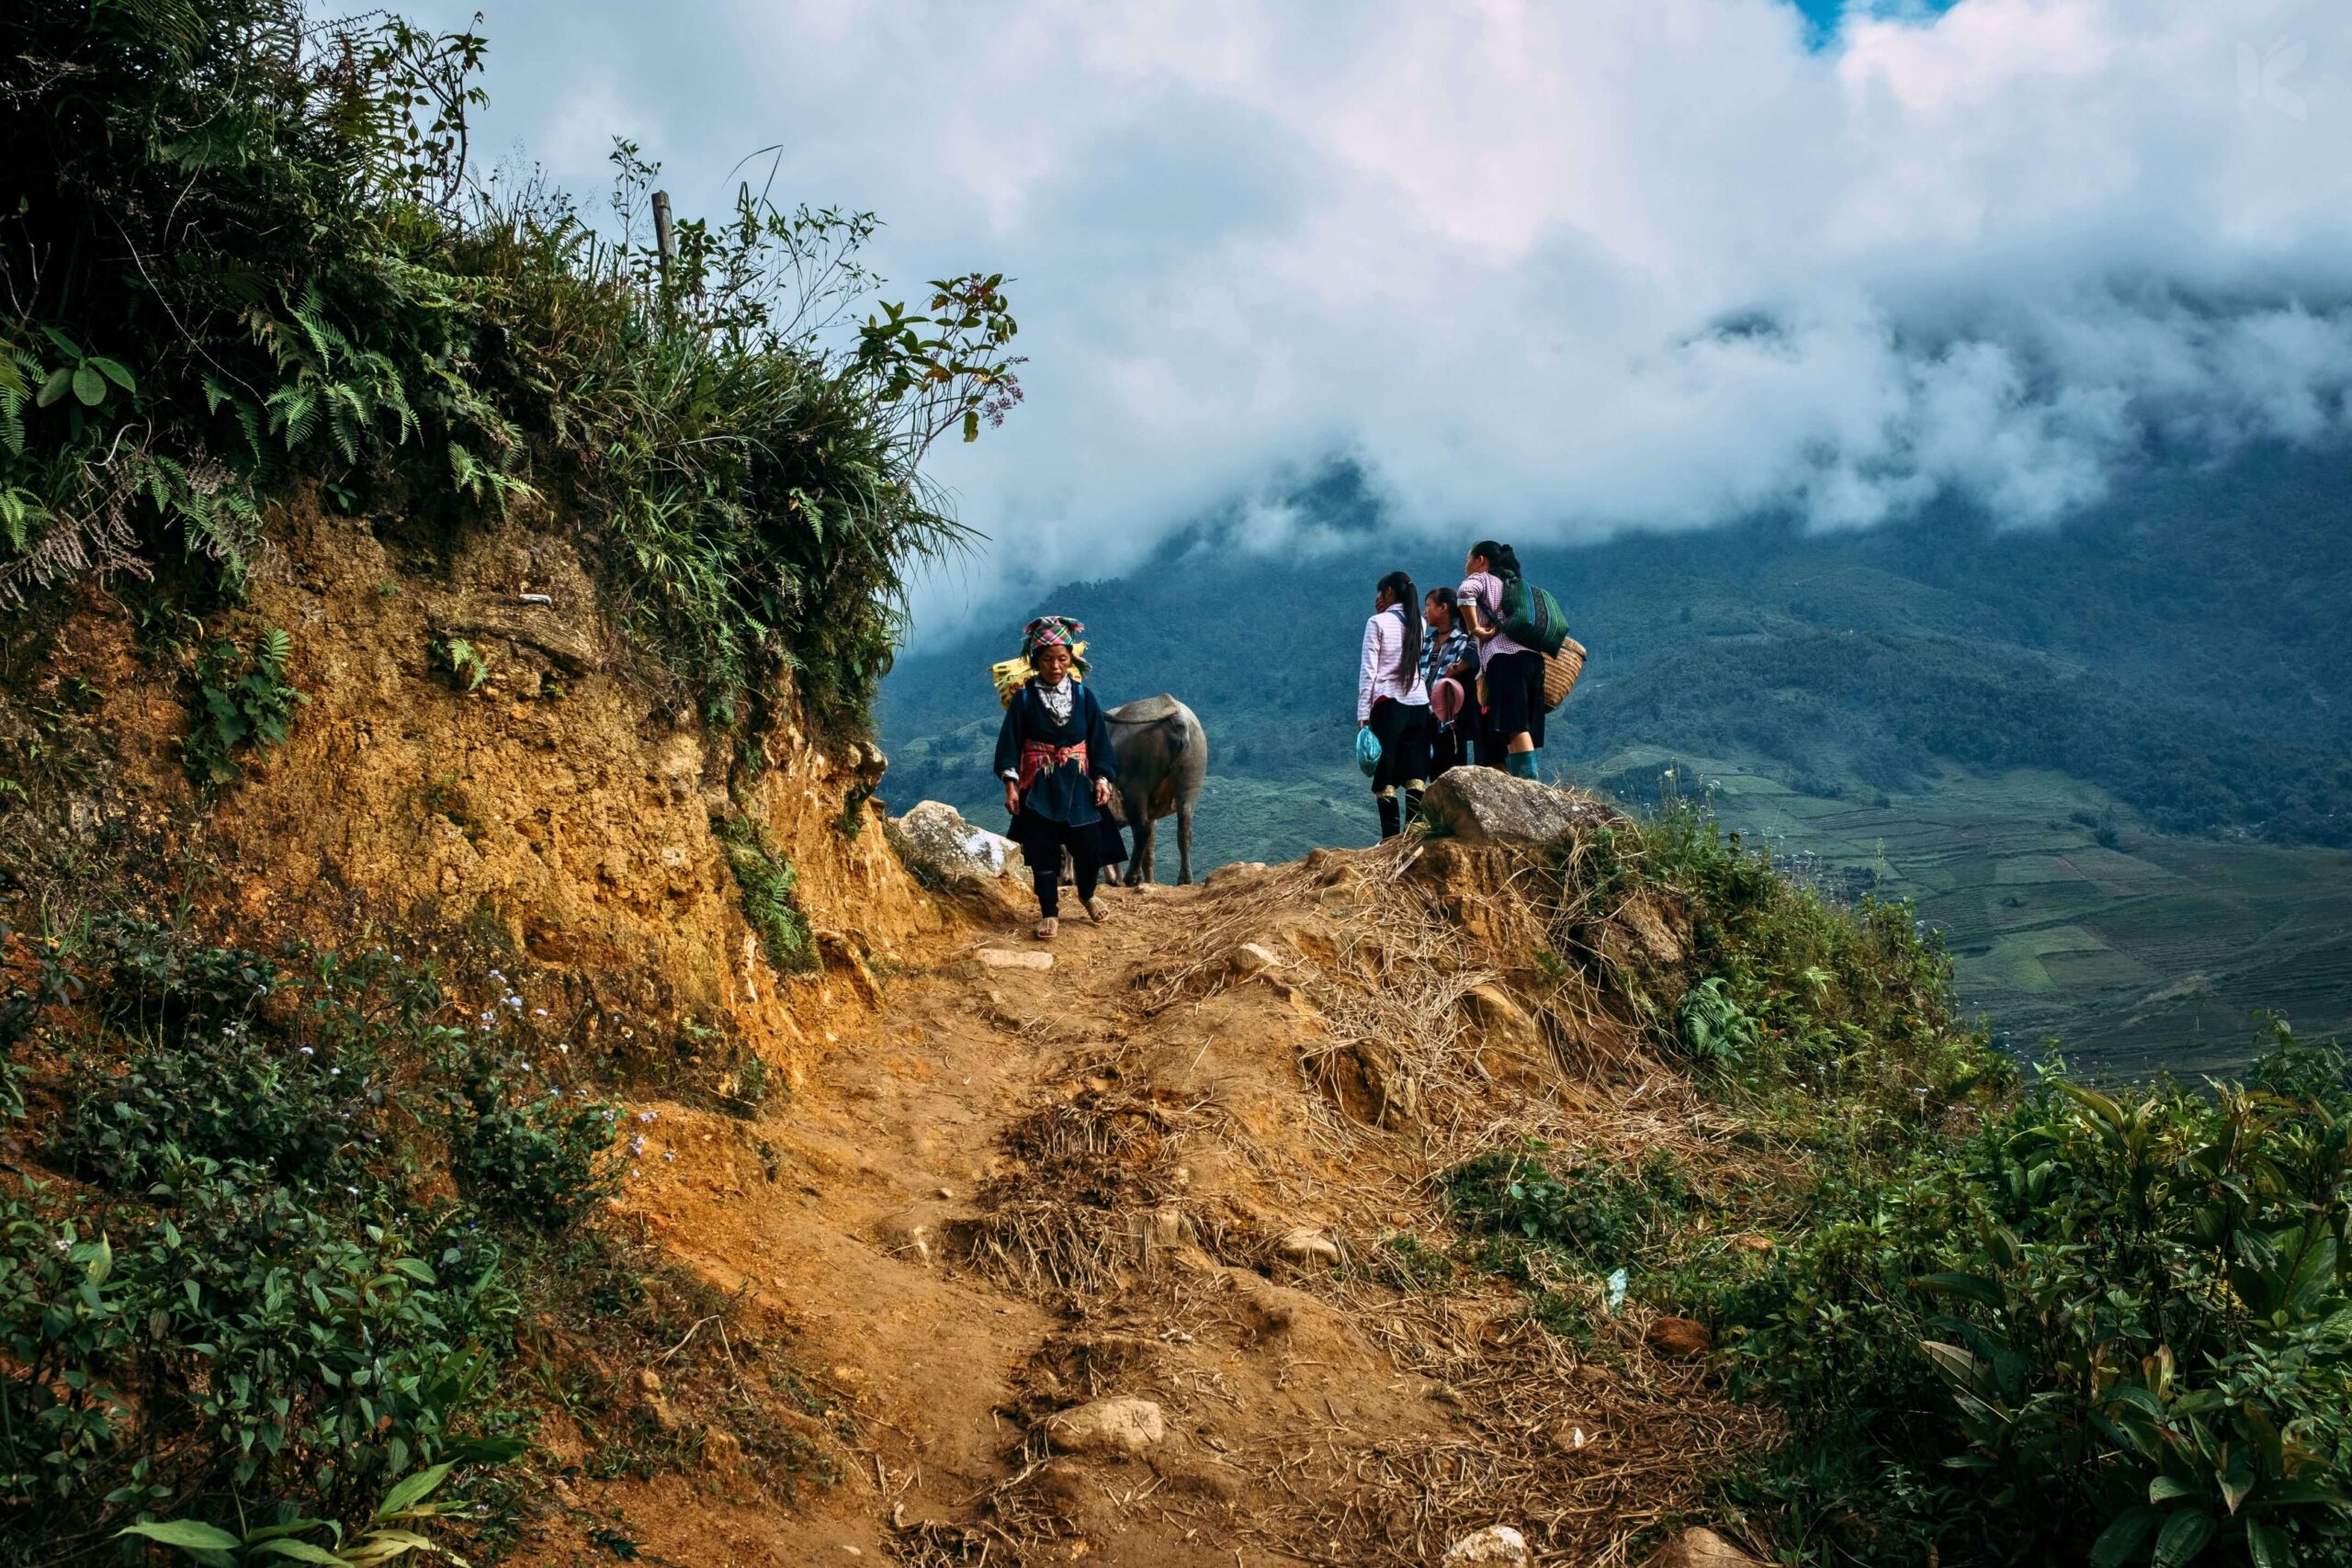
<point>1513,675</point>
<point>1393,704</point>
<point>1054,754</point>
<point>1448,653</point>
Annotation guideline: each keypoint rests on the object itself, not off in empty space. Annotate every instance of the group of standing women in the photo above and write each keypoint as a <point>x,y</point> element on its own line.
<point>1442,685</point>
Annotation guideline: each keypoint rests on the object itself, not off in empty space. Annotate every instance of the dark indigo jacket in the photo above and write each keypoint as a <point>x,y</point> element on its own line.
<point>1064,793</point>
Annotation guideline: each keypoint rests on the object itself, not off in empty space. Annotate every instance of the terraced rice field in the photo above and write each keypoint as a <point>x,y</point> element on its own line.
<point>2155,952</point>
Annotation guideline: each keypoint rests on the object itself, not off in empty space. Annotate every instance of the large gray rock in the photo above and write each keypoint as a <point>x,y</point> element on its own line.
<point>1482,805</point>
<point>937,844</point>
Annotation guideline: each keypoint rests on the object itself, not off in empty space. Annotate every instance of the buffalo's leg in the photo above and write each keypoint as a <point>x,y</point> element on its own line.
<point>1139,868</point>
<point>1184,844</point>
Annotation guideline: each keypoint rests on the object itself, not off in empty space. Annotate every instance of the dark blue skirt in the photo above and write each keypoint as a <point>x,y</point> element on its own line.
<point>1042,839</point>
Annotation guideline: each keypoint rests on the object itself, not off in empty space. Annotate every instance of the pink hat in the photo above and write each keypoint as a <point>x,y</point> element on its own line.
<point>1445,699</point>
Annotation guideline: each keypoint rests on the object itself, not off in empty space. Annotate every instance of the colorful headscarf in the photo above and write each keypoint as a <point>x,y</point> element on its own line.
<point>1051,631</point>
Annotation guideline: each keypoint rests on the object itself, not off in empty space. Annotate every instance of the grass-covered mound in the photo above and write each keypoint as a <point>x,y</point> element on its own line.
<point>242,250</point>
<point>2003,1322</point>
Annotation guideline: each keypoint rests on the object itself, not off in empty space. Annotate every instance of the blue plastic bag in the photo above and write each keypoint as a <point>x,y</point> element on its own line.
<point>1367,751</point>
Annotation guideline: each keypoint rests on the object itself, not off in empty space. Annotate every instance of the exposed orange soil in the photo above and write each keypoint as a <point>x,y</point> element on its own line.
<point>1013,1191</point>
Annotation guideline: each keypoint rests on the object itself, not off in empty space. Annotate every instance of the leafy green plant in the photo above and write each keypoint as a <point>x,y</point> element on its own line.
<point>388,1534</point>
<point>764,881</point>
<point>84,375</point>
<point>1583,1208</point>
<point>521,1149</point>
<point>1714,1030</point>
<point>459,663</point>
<point>2118,1324</point>
<point>265,1287</point>
<point>244,702</point>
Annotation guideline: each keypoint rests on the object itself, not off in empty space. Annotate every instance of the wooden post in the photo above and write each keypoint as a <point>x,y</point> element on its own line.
<point>665,238</point>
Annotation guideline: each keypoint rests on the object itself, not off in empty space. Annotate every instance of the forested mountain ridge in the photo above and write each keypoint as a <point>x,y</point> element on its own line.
<point>2177,645</point>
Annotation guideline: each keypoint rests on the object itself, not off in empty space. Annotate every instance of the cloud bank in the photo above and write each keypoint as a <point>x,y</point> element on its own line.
<point>1546,270</point>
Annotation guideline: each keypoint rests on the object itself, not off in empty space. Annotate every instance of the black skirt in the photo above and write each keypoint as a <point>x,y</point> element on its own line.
<point>1042,839</point>
<point>1515,695</point>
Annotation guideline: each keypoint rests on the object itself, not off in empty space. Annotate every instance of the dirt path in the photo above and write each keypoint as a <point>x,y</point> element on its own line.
<point>880,1161</point>
<point>1177,1167</point>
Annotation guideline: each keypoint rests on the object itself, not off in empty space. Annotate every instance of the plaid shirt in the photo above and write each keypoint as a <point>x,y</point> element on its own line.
<point>1439,654</point>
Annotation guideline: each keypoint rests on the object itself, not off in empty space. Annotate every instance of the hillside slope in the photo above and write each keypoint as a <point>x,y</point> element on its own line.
<point>1144,1174</point>
<point>1942,710</point>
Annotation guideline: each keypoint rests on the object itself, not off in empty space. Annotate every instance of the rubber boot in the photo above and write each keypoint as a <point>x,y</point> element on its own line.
<point>1391,822</point>
<point>1521,765</point>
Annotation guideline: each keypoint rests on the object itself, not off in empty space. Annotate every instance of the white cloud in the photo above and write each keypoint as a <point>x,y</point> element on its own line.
<point>1492,246</point>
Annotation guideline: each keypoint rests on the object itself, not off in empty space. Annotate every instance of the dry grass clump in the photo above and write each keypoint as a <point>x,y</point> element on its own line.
<point>1088,1191</point>
<point>1584,1452</point>
<point>1401,951</point>
<point>1414,956</point>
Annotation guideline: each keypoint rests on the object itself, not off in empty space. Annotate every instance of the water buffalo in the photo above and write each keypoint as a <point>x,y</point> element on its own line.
<point>1162,755</point>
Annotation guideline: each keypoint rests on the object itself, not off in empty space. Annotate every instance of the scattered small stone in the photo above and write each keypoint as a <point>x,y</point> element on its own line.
<point>1500,1020</point>
<point>1496,1546</point>
<point>1570,1439</point>
<point>1751,1242</point>
<point>721,1451</point>
<point>1308,1247</point>
<point>1678,1338</point>
<point>1005,958</point>
<point>534,599</point>
<point>1111,1428</point>
<point>1254,958</point>
<point>907,1236</point>
<point>650,1395</point>
<point>1699,1548</point>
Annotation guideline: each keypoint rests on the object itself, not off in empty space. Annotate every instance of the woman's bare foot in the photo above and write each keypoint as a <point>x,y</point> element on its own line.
<point>1096,910</point>
<point>1046,928</point>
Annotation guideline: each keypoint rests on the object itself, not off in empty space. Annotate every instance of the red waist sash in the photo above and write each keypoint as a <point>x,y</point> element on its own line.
<point>1036,756</point>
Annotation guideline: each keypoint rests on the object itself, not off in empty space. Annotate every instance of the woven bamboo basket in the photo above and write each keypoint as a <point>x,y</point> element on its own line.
<point>1560,672</point>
